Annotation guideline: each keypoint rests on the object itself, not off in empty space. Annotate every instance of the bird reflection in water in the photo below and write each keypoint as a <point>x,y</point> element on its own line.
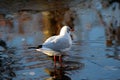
<point>57,74</point>
<point>62,73</point>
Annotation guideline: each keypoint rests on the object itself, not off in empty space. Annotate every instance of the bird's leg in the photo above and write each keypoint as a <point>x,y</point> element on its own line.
<point>60,60</point>
<point>54,61</point>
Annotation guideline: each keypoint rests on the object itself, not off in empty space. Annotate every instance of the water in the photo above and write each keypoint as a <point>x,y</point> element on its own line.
<point>85,61</point>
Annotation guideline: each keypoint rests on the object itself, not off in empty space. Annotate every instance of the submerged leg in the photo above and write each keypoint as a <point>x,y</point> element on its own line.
<point>60,60</point>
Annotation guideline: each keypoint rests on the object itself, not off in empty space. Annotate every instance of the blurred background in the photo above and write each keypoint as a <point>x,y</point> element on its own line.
<point>27,21</point>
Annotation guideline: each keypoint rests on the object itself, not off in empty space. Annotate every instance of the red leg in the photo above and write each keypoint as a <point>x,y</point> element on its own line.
<point>54,61</point>
<point>60,60</point>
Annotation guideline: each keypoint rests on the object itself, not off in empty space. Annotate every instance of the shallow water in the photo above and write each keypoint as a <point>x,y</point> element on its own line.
<point>85,61</point>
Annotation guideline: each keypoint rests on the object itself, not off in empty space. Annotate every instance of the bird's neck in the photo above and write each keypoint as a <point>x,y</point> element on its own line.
<point>65,34</point>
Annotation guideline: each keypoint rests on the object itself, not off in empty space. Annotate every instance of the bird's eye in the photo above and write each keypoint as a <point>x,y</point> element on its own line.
<point>68,30</point>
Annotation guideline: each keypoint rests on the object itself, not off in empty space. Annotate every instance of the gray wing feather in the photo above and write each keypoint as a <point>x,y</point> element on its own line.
<point>57,43</point>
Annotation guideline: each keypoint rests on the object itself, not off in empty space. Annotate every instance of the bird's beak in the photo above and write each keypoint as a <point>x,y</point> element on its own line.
<point>71,29</point>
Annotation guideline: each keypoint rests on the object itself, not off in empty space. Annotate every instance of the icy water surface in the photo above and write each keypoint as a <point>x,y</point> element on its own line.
<point>85,61</point>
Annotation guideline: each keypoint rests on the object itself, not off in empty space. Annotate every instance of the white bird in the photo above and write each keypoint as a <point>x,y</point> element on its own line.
<point>56,45</point>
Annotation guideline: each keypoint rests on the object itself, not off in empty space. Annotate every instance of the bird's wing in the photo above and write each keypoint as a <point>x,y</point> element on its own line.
<point>57,43</point>
<point>50,39</point>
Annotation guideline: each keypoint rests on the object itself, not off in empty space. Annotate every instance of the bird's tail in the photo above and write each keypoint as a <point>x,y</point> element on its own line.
<point>32,47</point>
<point>39,46</point>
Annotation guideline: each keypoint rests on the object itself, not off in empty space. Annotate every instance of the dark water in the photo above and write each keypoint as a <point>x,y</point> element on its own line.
<point>85,61</point>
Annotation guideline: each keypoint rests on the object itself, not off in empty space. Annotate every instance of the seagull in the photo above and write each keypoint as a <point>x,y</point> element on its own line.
<point>57,45</point>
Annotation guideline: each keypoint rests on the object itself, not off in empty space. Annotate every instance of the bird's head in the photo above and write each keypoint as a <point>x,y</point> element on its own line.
<point>65,30</point>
